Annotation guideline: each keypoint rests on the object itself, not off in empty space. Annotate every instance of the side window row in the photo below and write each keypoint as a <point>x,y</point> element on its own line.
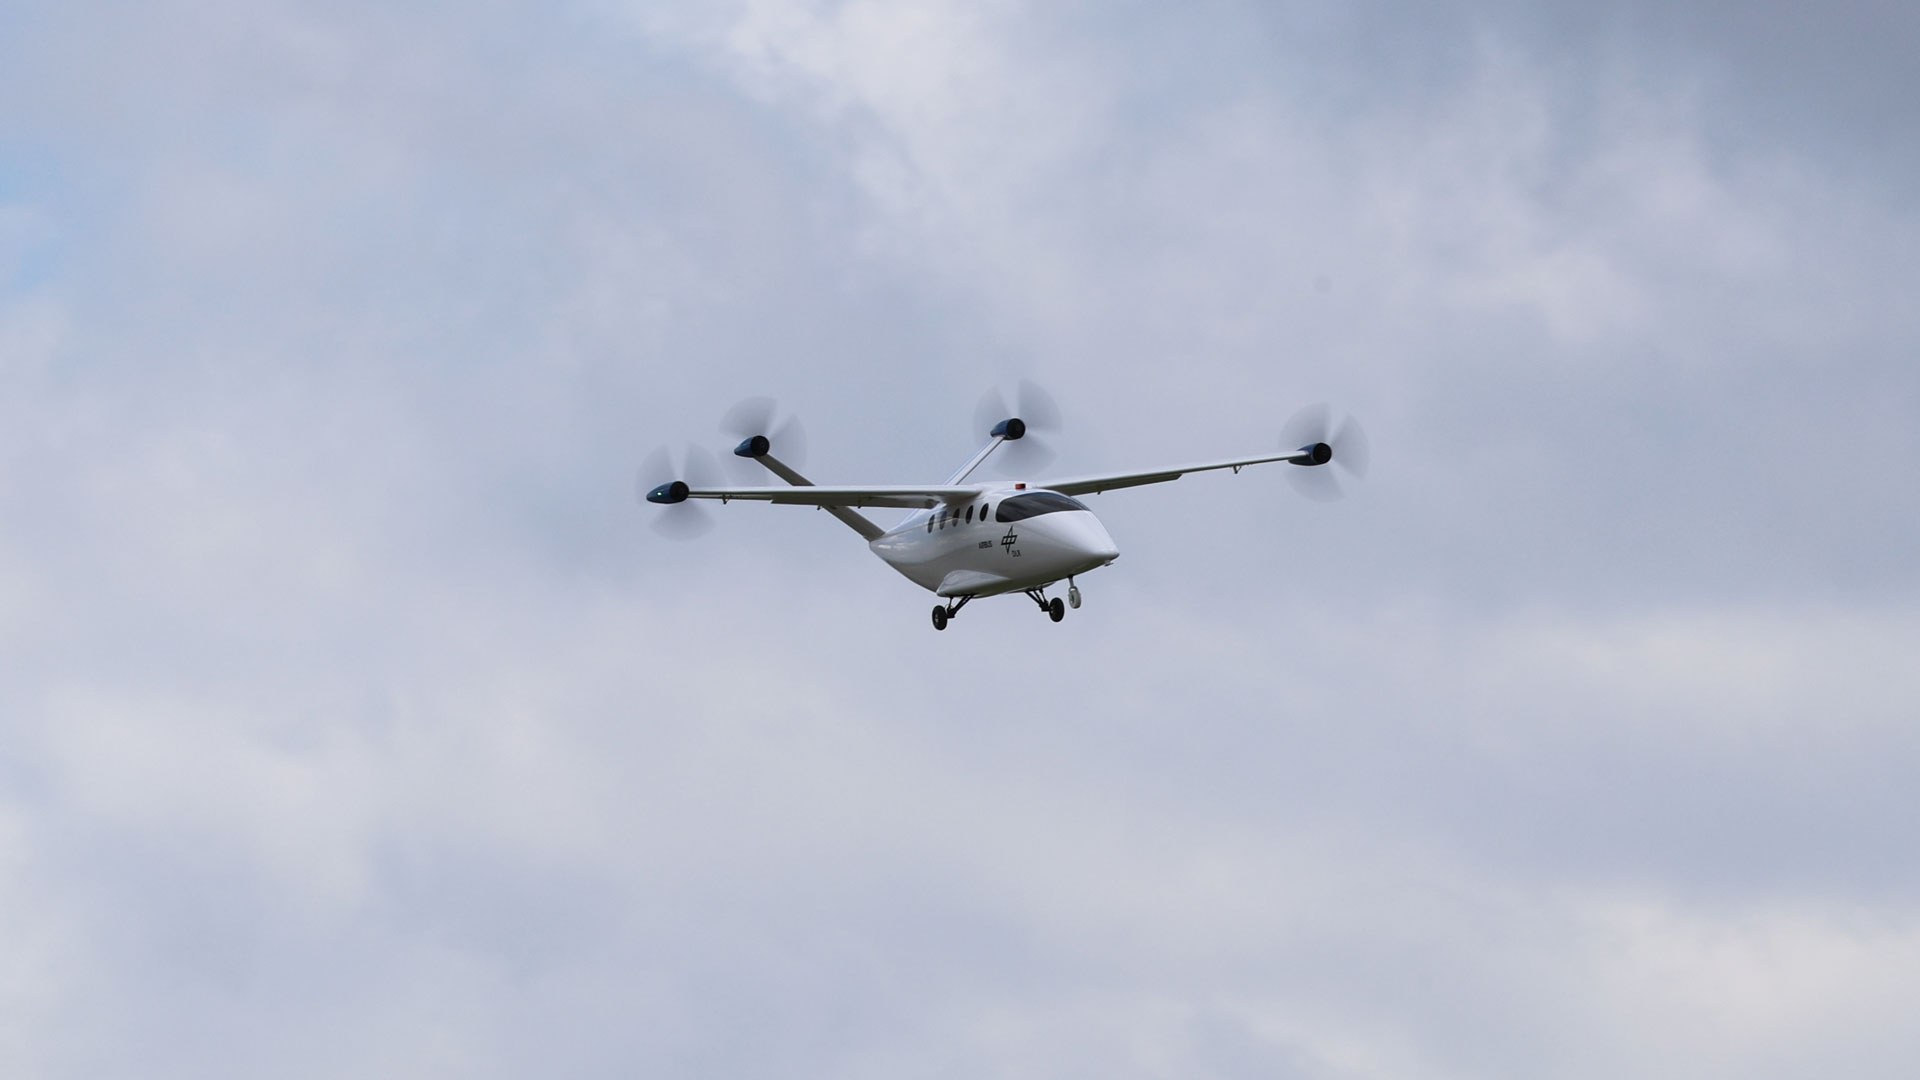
<point>949,516</point>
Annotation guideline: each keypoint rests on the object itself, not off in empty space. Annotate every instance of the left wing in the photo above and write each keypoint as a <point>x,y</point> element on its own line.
<point>1316,454</point>
<point>909,497</point>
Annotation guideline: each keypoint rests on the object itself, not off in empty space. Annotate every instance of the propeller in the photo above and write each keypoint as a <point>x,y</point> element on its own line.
<point>664,480</point>
<point>1027,446</point>
<point>1346,446</point>
<point>757,425</point>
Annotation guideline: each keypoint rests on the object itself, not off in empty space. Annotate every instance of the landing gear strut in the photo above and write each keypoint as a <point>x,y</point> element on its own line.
<point>944,613</point>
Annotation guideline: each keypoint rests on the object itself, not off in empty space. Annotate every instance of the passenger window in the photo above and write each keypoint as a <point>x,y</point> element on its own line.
<point>969,515</point>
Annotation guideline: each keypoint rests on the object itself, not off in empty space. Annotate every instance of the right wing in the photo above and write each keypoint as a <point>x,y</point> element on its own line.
<point>1093,485</point>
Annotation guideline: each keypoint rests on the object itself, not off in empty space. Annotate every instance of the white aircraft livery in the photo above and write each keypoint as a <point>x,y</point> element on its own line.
<point>962,540</point>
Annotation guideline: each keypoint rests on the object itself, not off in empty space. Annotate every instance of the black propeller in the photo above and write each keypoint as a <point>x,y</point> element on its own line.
<point>665,479</point>
<point>1345,446</point>
<point>758,427</point>
<point>1030,422</point>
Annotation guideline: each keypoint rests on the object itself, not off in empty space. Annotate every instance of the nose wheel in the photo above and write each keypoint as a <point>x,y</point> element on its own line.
<point>1073,596</point>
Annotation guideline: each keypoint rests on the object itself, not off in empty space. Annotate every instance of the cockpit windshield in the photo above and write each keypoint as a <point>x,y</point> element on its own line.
<point>1034,503</point>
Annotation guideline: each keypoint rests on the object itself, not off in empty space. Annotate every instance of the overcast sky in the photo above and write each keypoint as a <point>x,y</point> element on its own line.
<point>353,721</point>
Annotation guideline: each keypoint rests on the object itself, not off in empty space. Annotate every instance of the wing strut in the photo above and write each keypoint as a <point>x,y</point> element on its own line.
<point>852,518</point>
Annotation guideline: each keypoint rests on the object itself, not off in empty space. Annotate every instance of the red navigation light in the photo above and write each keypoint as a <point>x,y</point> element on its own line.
<point>1019,487</point>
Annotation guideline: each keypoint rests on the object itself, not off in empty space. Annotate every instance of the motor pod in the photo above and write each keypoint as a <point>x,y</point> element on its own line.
<point>759,425</point>
<point>1311,429</point>
<point>674,492</point>
<point>1025,427</point>
<point>1317,454</point>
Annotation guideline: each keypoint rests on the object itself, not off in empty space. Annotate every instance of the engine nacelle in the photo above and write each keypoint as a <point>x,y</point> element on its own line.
<point>1317,454</point>
<point>753,448</point>
<point>674,492</point>
<point>1010,429</point>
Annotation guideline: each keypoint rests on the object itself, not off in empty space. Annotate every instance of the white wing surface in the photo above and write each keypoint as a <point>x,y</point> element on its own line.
<point>1093,485</point>
<point>909,497</point>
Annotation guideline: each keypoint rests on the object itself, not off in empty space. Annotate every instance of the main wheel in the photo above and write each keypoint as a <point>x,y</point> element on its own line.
<point>1057,610</point>
<point>940,617</point>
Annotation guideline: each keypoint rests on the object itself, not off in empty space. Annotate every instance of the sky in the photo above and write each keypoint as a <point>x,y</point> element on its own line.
<point>354,720</point>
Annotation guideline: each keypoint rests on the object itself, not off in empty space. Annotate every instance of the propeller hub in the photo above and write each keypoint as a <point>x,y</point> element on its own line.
<point>674,492</point>
<point>1010,429</point>
<point>754,447</point>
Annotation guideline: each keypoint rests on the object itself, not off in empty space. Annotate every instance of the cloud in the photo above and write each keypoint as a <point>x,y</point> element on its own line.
<point>357,722</point>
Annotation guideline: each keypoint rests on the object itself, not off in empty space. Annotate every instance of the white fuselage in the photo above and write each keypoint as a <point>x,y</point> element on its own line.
<point>1006,540</point>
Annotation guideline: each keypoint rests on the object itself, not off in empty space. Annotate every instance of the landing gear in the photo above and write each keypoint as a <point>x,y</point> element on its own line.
<point>1055,609</point>
<point>944,613</point>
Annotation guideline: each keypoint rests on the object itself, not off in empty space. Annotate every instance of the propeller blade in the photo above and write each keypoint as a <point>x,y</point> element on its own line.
<point>1030,455</point>
<point>1305,427</point>
<point>990,411</point>
<point>748,417</point>
<point>1034,408</point>
<point>1351,450</point>
<point>1037,407</point>
<point>683,521</point>
<point>1041,413</point>
<point>1317,483</point>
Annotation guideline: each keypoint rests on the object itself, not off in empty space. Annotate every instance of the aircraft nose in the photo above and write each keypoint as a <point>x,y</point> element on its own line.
<point>1089,537</point>
<point>1103,546</point>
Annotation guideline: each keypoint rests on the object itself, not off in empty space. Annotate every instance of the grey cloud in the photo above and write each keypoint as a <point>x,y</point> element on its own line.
<point>357,722</point>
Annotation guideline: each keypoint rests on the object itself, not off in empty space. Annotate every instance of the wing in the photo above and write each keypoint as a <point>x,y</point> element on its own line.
<point>913,497</point>
<point>1093,485</point>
